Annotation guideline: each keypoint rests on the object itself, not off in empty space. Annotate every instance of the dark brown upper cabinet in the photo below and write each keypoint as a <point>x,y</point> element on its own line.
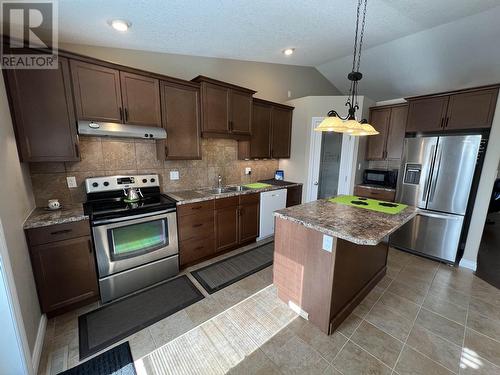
<point>459,110</point>
<point>226,109</point>
<point>181,120</point>
<point>97,92</point>
<point>106,94</point>
<point>379,119</point>
<point>390,122</point>
<point>426,114</point>
<point>260,141</point>
<point>471,110</point>
<point>43,114</point>
<point>141,99</point>
<point>281,139</point>
<point>271,132</point>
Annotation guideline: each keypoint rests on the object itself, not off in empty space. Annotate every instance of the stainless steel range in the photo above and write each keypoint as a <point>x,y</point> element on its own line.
<point>134,228</point>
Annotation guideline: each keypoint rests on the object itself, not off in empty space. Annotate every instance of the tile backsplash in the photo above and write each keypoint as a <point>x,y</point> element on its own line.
<point>113,156</point>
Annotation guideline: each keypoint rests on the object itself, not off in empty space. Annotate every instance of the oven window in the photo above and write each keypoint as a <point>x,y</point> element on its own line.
<point>136,239</point>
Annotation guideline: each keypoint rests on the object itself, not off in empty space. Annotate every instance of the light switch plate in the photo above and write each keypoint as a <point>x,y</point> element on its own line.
<point>248,170</point>
<point>174,175</point>
<point>71,181</point>
<point>327,243</point>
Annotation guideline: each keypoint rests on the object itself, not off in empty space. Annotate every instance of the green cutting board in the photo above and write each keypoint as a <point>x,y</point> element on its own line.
<point>257,185</point>
<point>372,204</point>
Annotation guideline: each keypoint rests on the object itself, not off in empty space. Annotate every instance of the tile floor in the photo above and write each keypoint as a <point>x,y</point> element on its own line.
<point>422,318</point>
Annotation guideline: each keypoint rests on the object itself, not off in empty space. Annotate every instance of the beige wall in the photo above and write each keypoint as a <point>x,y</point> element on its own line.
<point>271,81</point>
<point>16,204</point>
<point>108,156</point>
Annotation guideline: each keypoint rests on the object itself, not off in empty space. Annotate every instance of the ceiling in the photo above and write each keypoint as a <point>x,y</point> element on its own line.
<point>257,30</point>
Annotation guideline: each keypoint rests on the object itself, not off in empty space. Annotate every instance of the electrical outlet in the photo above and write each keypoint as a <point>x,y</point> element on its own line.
<point>174,175</point>
<point>248,170</point>
<point>71,181</point>
<point>289,94</point>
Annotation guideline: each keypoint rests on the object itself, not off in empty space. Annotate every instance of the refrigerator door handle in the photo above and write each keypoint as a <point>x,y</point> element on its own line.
<point>429,174</point>
<point>435,174</point>
<point>439,216</point>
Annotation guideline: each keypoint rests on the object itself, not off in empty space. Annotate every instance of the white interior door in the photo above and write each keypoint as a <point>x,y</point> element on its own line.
<point>348,159</point>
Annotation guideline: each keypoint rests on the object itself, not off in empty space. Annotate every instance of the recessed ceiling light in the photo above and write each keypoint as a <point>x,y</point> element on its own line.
<point>288,51</point>
<point>120,25</point>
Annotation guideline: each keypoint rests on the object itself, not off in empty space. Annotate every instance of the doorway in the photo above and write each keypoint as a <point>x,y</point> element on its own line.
<point>332,163</point>
<point>488,258</point>
<point>329,164</point>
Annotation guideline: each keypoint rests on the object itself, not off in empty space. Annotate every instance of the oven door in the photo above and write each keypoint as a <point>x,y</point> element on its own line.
<point>128,242</point>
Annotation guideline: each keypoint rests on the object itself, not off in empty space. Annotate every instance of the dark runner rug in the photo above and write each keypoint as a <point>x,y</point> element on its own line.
<point>111,323</point>
<point>115,361</point>
<point>221,274</point>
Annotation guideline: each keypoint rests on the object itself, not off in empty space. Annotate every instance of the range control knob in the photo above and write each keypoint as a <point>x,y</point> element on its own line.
<point>106,183</point>
<point>152,180</point>
<point>95,184</point>
<point>144,180</point>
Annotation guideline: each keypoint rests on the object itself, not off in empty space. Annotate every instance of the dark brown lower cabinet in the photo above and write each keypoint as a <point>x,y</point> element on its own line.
<point>249,217</point>
<point>226,223</point>
<point>211,227</point>
<point>195,224</point>
<point>64,269</point>
<point>294,195</point>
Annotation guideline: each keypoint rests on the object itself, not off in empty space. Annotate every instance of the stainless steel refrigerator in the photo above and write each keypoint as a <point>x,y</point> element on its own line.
<point>436,176</point>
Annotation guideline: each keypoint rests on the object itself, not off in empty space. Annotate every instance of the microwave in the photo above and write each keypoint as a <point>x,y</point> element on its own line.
<point>380,177</point>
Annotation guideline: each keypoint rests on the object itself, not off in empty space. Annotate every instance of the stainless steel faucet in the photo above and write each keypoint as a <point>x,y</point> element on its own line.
<point>219,181</point>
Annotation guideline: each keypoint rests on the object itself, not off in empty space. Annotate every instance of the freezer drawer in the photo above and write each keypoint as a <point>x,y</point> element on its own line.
<point>431,234</point>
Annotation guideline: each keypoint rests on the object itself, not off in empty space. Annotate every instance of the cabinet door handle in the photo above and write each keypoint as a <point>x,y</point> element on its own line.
<point>446,122</point>
<point>77,150</point>
<point>28,145</point>
<point>63,231</point>
<point>196,207</point>
<point>166,151</point>
<point>121,113</point>
<point>198,248</point>
<point>197,225</point>
<point>442,123</point>
<point>90,246</point>
<point>126,114</point>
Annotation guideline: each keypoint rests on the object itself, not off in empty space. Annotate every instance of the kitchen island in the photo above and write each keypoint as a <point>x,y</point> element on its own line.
<point>328,256</point>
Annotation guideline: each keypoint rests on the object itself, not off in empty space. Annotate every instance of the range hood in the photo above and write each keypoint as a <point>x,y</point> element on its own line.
<point>111,129</point>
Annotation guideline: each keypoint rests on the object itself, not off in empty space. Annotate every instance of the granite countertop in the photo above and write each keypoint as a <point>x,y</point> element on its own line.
<point>376,187</point>
<point>41,217</point>
<point>204,194</point>
<point>354,224</point>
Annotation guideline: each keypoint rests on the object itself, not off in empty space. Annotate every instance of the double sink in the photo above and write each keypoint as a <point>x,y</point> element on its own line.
<point>226,189</point>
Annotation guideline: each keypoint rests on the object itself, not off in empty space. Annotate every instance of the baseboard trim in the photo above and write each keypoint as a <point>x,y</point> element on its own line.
<point>468,264</point>
<point>37,350</point>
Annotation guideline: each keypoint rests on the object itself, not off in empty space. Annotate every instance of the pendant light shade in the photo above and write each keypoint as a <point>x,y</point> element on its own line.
<point>331,124</point>
<point>349,124</point>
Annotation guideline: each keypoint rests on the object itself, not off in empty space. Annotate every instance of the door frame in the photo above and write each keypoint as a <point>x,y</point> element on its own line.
<point>21,340</point>
<point>348,159</point>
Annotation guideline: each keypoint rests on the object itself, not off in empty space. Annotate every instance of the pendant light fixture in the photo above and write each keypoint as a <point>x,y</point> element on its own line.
<point>349,124</point>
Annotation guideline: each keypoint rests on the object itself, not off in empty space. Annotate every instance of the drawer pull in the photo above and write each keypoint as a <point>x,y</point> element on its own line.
<point>196,207</point>
<point>198,248</point>
<point>61,231</point>
<point>197,225</point>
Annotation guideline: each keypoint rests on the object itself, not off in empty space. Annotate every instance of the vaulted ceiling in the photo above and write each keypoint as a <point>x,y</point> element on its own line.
<point>410,45</point>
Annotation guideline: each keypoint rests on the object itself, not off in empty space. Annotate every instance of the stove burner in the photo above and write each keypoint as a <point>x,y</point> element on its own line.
<point>386,204</point>
<point>359,203</point>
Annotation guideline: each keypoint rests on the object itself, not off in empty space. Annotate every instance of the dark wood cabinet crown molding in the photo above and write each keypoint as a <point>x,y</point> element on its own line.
<point>201,78</point>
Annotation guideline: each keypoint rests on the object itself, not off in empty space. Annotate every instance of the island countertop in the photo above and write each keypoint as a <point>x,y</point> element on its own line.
<point>354,224</point>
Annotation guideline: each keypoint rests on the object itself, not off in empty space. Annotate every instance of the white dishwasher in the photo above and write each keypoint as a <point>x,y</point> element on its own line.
<point>270,201</point>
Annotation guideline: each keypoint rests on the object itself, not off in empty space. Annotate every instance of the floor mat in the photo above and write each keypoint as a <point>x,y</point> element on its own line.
<point>111,323</point>
<point>116,361</point>
<point>218,275</point>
